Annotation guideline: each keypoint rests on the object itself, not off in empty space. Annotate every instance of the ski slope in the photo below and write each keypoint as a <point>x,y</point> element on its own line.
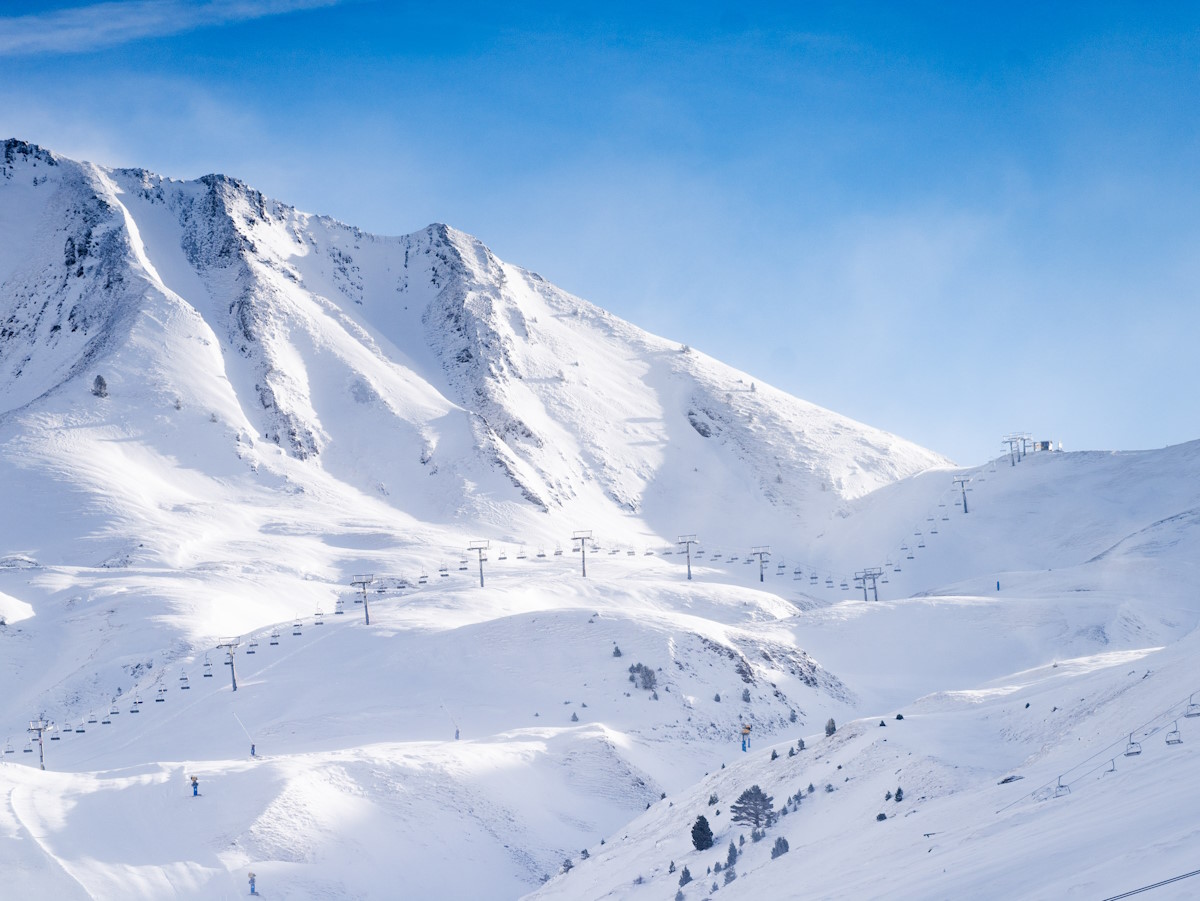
<point>291,402</point>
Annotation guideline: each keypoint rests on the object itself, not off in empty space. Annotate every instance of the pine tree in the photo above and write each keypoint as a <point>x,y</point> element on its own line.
<point>830,727</point>
<point>899,794</point>
<point>781,847</point>
<point>753,807</point>
<point>685,876</point>
<point>100,387</point>
<point>731,859</point>
<point>702,836</point>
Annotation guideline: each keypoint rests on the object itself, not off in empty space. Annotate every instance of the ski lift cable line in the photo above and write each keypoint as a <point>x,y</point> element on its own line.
<point>1104,753</point>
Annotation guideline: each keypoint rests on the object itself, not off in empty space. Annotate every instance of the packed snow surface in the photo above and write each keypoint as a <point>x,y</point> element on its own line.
<point>217,412</point>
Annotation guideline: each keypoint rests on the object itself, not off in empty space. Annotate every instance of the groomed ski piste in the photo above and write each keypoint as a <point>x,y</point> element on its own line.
<point>1039,644</point>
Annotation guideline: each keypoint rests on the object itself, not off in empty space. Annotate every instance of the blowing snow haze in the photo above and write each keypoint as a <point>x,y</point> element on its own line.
<point>217,412</point>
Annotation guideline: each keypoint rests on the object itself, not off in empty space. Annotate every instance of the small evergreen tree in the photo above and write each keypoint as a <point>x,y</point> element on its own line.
<point>100,387</point>
<point>574,717</point>
<point>712,799</point>
<point>685,876</point>
<point>791,752</point>
<point>678,894</point>
<point>730,875</point>
<point>702,836</point>
<point>671,868</point>
<point>717,697</point>
<point>800,744</point>
<point>753,807</point>
<point>830,727</point>
<point>732,857</point>
<point>774,754</point>
<point>899,794</point>
<point>880,817</point>
<point>780,848</point>
<point>746,695</point>
<point>616,651</point>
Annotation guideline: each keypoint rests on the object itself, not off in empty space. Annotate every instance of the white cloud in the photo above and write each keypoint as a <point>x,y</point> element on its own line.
<point>99,25</point>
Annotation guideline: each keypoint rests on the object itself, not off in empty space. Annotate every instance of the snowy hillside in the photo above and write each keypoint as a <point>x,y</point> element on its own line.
<point>216,411</point>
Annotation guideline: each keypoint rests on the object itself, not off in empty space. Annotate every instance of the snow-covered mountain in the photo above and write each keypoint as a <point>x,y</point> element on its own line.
<point>216,411</point>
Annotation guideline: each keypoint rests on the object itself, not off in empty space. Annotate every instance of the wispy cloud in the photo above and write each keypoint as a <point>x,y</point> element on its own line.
<point>99,25</point>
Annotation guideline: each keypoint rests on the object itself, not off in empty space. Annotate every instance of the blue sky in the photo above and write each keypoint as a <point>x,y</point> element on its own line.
<point>949,221</point>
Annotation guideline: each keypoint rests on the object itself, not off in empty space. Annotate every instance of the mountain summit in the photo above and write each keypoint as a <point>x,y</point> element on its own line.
<point>419,368</point>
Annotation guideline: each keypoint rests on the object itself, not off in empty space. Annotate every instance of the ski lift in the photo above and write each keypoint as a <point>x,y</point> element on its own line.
<point>945,518</point>
<point>8,748</point>
<point>884,580</point>
<point>1173,737</point>
<point>733,560</point>
<point>162,696</point>
<point>699,552</point>
<point>631,553</point>
<point>541,553</point>
<point>207,667</point>
<point>896,568</point>
<point>113,711</point>
<point>274,639</point>
<point>92,719</point>
<point>649,553</point>
<point>558,549</point>
<point>462,564</point>
<point>781,568</point>
<point>611,551</point>
<point>503,555</point>
<point>812,579</point>
<point>575,548</point>
<point>67,729</point>
<point>104,722</point>
<point>318,618</point>
<point>1112,767</point>
<point>904,546</point>
<point>1193,709</point>
<point>933,531</point>
<point>79,730</point>
<point>1060,789</point>
<point>845,587</point>
<point>829,581</point>
<point>921,542</point>
<point>339,606</point>
<point>54,736</point>
<point>251,648</point>
<point>668,552</point>
<point>797,573</point>
<point>443,572</point>
<point>747,561</point>
<point>717,555</point>
<point>133,707</point>
<point>910,555</point>
<point>28,749</point>
<point>1134,748</point>
<point>521,555</point>
<point>296,628</point>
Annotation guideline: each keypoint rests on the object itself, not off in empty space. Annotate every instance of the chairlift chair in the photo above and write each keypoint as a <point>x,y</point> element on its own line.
<point>503,555</point>
<point>1112,767</point>
<point>945,518</point>
<point>668,552</point>
<point>28,749</point>
<point>812,579</point>
<point>251,648</point>
<point>443,573</point>
<point>933,531</point>
<point>318,618</point>
<point>92,719</point>
<point>79,730</point>
<point>896,568</point>
<point>781,568</point>
<point>133,707</point>
<point>113,711</point>
<point>54,736</point>
<point>1134,748</point>
<point>1173,737</point>
<point>1060,789</point>
<point>611,551</point>
<point>845,587</point>
<point>421,580</point>
<point>910,555</point>
<point>921,543</point>
<point>104,722</point>
<point>631,553</point>
<point>162,692</point>
<point>828,581</point>
<point>884,579</point>
<point>274,639</point>
<point>541,553</point>
<point>296,628</point>
<point>521,555</point>
<point>1193,709</point>
<point>207,667</point>
<point>649,553</point>
<point>8,748</point>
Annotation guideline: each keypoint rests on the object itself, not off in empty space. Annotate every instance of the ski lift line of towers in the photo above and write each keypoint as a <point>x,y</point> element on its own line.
<point>867,579</point>
<point>1126,746</point>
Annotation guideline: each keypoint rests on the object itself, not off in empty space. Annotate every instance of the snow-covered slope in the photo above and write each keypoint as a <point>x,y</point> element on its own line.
<point>288,402</point>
